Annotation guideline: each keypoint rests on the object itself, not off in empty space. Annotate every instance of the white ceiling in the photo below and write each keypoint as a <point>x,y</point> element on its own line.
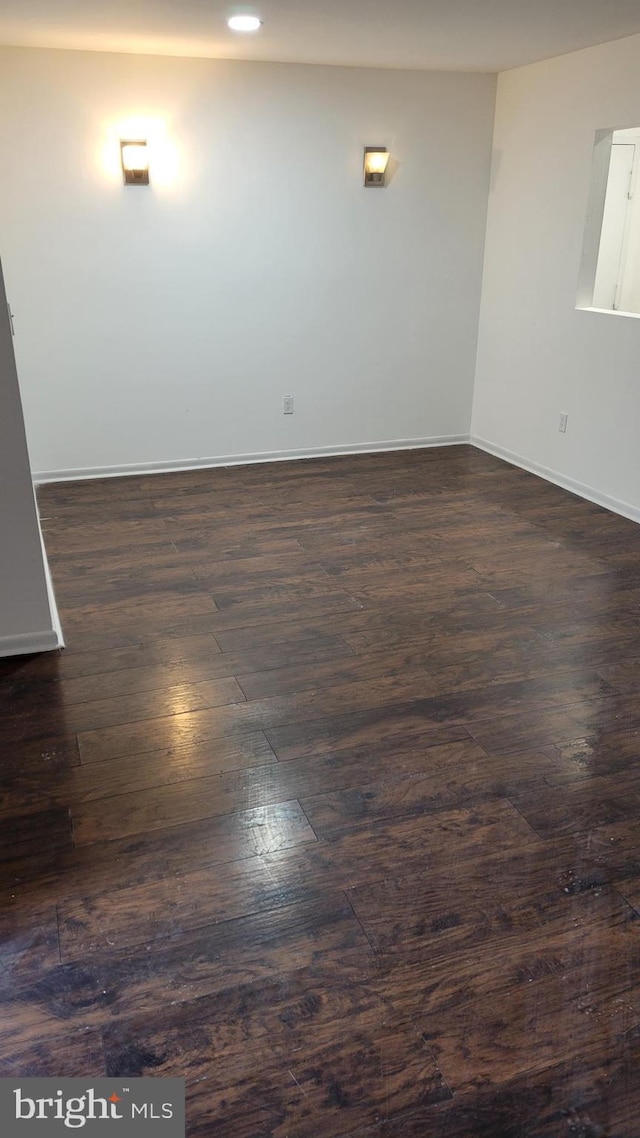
<point>467,35</point>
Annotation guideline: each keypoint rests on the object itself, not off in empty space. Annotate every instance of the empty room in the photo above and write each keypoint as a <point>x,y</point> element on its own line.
<point>320,568</point>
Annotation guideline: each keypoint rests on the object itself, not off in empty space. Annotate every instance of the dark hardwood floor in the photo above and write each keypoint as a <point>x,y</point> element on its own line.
<point>332,803</point>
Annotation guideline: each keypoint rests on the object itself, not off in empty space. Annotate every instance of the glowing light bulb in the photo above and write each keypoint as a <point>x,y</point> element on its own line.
<point>244,23</point>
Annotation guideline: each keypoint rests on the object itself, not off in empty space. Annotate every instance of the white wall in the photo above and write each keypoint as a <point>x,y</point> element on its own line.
<point>26,619</point>
<point>162,325</point>
<point>537,355</point>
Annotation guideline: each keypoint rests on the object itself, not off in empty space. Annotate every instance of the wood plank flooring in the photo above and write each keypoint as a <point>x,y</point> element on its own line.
<point>332,803</point>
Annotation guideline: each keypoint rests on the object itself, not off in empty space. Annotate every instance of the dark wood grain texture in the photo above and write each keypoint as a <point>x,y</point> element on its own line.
<point>331,805</point>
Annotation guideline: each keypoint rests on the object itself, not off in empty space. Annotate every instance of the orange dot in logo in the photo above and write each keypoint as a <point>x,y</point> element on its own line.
<point>114,1098</point>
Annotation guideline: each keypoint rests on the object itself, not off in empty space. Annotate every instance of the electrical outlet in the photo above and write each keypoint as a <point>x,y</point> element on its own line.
<point>562,425</point>
<point>287,405</point>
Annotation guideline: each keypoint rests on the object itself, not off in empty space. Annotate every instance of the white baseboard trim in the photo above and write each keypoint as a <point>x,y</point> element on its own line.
<point>616,505</point>
<point>55,615</point>
<point>29,642</point>
<point>43,476</point>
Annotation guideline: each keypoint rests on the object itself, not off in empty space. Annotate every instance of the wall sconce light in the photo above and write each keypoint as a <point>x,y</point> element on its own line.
<point>135,163</point>
<point>375,165</point>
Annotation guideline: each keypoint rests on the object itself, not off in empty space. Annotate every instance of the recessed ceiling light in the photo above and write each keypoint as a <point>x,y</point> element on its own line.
<point>244,23</point>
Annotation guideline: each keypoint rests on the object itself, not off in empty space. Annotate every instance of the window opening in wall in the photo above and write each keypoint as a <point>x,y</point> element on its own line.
<point>610,279</point>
